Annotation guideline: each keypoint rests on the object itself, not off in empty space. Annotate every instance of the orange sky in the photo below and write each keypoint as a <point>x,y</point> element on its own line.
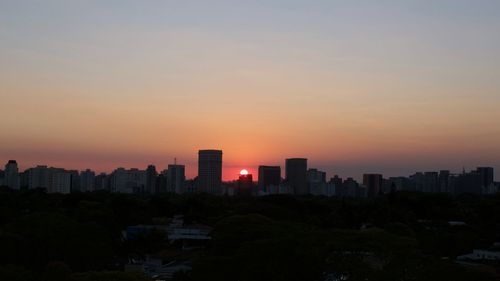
<point>354,88</point>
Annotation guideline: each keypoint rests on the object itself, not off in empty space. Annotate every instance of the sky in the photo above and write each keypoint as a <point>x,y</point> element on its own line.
<point>389,86</point>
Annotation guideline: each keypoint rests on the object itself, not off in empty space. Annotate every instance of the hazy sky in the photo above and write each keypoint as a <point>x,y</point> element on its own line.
<point>355,86</point>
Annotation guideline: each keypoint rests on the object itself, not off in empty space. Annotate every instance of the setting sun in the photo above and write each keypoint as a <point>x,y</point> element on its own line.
<point>243,172</point>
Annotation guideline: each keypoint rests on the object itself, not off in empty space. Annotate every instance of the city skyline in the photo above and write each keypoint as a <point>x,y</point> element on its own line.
<point>294,140</point>
<point>299,180</point>
<point>231,171</point>
<point>237,171</point>
<point>386,88</point>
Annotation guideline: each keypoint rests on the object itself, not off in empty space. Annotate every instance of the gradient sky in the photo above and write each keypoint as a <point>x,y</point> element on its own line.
<point>356,86</point>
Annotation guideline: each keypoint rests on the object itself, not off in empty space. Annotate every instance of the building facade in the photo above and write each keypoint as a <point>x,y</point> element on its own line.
<point>210,171</point>
<point>296,175</point>
<point>269,175</point>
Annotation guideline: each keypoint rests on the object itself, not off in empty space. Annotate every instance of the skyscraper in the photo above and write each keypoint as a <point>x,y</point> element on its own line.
<point>486,174</point>
<point>12,175</point>
<point>444,181</point>
<point>175,178</point>
<point>128,181</point>
<point>210,170</point>
<point>87,180</point>
<point>269,175</point>
<point>296,175</point>
<point>151,177</point>
<point>39,177</point>
<point>317,182</point>
<point>431,182</point>
<point>60,182</point>
<point>373,183</point>
<point>245,185</point>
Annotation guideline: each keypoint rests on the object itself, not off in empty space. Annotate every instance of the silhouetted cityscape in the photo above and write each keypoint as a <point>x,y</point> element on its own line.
<point>271,140</point>
<point>299,179</point>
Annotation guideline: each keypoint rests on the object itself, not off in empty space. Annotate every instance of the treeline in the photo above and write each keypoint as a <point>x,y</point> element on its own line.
<point>402,236</point>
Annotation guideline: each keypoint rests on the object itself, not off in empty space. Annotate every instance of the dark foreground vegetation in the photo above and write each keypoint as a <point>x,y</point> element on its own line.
<point>403,236</point>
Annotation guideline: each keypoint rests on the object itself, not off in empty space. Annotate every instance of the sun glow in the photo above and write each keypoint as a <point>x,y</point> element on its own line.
<point>243,172</point>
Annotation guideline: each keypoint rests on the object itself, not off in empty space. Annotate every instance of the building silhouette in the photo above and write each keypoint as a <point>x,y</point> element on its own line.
<point>151,178</point>
<point>431,182</point>
<point>60,182</point>
<point>487,176</point>
<point>269,175</point>
<point>245,185</point>
<point>128,181</point>
<point>317,185</point>
<point>296,175</point>
<point>38,177</point>
<point>87,180</point>
<point>444,181</point>
<point>175,178</point>
<point>11,175</point>
<point>373,184</point>
<point>102,182</point>
<point>210,171</point>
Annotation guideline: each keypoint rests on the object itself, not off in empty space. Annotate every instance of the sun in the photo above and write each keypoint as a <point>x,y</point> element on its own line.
<point>243,172</point>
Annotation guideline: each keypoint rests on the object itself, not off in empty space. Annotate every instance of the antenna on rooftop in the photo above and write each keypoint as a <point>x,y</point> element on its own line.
<point>175,161</point>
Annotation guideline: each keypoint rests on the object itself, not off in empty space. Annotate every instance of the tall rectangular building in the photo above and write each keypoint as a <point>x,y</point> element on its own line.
<point>245,185</point>
<point>175,178</point>
<point>151,177</point>
<point>11,175</point>
<point>269,175</point>
<point>296,175</point>
<point>39,177</point>
<point>61,182</point>
<point>128,181</point>
<point>210,170</point>
<point>373,184</point>
<point>486,174</point>
<point>87,180</point>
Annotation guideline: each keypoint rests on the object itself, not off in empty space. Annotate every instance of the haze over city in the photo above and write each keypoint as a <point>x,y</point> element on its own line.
<point>388,87</point>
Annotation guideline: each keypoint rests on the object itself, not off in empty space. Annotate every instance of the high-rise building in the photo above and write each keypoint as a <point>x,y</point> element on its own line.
<point>102,182</point>
<point>468,183</point>
<point>175,178</point>
<point>431,182</point>
<point>11,175</point>
<point>245,185</point>
<point>128,181</point>
<point>61,182</point>
<point>315,175</point>
<point>340,191</point>
<point>210,171</point>
<point>316,180</point>
<point>87,181</point>
<point>269,175</point>
<point>444,181</point>
<point>75,180</point>
<point>486,174</point>
<point>161,182</point>
<point>373,183</point>
<point>151,178</point>
<point>418,180</point>
<point>296,175</point>
<point>39,177</point>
